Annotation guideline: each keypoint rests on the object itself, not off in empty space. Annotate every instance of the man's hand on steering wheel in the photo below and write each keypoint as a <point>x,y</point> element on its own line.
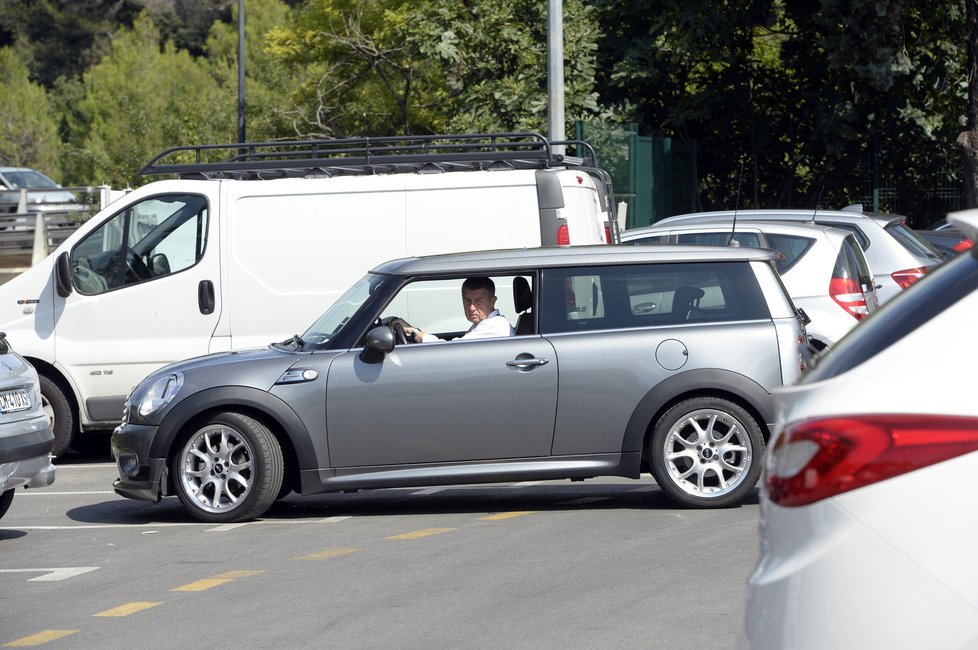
<point>404,332</point>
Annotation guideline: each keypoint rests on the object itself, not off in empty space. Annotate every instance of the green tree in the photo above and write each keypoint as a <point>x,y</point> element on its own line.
<point>28,130</point>
<point>138,101</point>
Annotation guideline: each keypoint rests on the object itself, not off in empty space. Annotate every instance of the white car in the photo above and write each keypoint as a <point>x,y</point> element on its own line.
<point>868,519</point>
<point>823,268</point>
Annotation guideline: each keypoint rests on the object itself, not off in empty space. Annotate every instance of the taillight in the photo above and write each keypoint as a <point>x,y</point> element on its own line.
<point>908,276</point>
<point>607,235</point>
<point>563,236</point>
<point>963,245</point>
<point>819,459</point>
<point>849,295</point>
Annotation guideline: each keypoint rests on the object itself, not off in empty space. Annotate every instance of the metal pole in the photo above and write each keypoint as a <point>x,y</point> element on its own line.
<point>555,72</point>
<point>241,72</point>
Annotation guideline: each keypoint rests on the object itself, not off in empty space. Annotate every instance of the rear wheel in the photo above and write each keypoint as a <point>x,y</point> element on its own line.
<point>56,405</point>
<point>230,469</point>
<point>5,499</point>
<point>706,453</point>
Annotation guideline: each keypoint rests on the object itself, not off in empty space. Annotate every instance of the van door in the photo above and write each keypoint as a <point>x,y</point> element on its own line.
<point>145,292</point>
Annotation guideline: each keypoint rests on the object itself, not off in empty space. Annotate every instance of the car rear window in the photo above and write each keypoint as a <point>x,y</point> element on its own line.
<point>913,242</point>
<point>952,282</point>
<point>614,297</point>
<point>745,239</point>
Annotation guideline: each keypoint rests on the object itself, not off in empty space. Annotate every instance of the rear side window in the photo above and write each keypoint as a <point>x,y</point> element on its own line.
<point>857,261</point>
<point>652,239</point>
<point>745,239</point>
<point>954,281</point>
<point>793,247</point>
<point>913,242</point>
<point>615,297</point>
<point>855,230</point>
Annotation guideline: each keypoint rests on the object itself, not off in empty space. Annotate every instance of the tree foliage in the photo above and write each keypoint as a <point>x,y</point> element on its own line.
<point>28,130</point>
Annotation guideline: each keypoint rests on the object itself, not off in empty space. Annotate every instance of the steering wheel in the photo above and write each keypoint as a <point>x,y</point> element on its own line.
<point>397,325</point>
<point>136,266</point>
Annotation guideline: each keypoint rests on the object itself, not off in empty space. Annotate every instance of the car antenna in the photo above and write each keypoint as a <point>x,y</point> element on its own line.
<point>818,202</point>
<point>733,228</point>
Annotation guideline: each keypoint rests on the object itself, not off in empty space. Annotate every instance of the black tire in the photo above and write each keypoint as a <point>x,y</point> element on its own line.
<point>706,452</point>
<point>239,476</point>
<point>58,407</point>
<point>5,499</point>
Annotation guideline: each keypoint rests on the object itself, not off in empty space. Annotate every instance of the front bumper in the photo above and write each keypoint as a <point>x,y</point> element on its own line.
<point>140,477</point>
<point>25,458</point>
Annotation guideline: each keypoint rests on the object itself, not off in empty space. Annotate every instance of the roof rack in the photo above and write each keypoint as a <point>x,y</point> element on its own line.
<point>351,156</point>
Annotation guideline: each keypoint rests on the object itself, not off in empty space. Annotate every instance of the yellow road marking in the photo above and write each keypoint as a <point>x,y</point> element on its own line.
<point>325,555</point>
<point>220,579</point>
<point>507,515</point>
<point>39,638</point>
<point>424,532</point>
<point>127,609</point>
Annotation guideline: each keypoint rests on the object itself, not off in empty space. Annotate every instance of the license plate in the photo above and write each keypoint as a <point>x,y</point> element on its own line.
<point>14,400</point>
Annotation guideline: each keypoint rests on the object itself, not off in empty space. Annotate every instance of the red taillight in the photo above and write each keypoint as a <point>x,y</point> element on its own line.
<point>563,236</point>
<point>963,245</point>
<point>819,459</point>
<point>850,297</point>
<point>908,276</point>
<point>607,235</point>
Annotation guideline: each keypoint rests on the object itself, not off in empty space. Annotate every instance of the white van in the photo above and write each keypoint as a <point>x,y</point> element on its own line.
<point>239,253</point>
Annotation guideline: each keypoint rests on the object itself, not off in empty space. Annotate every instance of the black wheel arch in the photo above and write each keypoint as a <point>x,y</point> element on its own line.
<point>51,372</point>
<point>274,413</point>
<point>737,388</point>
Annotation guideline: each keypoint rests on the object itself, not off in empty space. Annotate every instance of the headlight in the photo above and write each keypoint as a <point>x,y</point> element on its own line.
<point>149,399</point>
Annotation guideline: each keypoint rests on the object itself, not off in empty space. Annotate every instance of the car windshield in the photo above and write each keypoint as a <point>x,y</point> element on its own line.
<point>27,178</point>
<point>343,310</point>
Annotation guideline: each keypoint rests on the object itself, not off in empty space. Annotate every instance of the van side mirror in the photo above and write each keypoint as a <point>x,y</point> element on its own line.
<point>62,275</point>
<point>378,344</point>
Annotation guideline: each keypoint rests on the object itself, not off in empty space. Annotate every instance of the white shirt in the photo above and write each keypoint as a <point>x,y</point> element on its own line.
<point>492,326</point>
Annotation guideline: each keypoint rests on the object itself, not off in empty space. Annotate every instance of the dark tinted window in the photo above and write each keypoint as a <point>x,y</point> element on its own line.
<point>593,298</point>
<point>745,239</point>
<point>791,246</point>
<point>4,346</point>
<point>913,242</point>
<point>860,235</point>
<point>652,239</point>
<point>903,314</point>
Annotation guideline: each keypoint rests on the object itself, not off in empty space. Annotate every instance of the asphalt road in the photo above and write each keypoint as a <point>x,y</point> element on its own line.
<point>601,564</point>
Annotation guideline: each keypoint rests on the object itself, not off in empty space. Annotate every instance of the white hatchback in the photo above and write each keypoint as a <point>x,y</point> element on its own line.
<point>823,268</point>
<point>868,519</point>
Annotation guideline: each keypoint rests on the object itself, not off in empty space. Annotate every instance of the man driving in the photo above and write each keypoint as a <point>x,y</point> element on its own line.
<point>479,305</point>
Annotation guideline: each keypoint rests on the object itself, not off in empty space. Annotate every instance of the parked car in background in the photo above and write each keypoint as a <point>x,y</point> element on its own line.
<point>948,241</point>
<point>44,195</point>
<point>625,359</point>
<point>25,429</point>
<point>867,507</point>
<point>897,255</point>
<point>823,268</point>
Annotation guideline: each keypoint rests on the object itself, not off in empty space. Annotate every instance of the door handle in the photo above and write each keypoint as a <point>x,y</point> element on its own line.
<point>205,297</point>
<point>529,362</point>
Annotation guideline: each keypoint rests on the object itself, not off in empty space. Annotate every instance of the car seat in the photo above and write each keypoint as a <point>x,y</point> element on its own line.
<point>685,303</point>
<point>523,300</point>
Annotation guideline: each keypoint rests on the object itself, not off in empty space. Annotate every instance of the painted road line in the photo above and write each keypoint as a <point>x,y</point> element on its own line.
<point>525,484</point>
<point>424,532</point>
<point>507,515</point>
<point>331,553</point>
<point>226,527</point>
<point>44,493</point>
<point>276,522</point>
<point>215,581</point>
<point>580,502</point>
<point>643,489</point>
<point>428,491</point>
<point>39,639</point>
<point>127,609</point>
<point>54,574</point>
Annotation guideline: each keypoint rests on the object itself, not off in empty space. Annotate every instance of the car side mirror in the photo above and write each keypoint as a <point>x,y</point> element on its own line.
<point>378,344</point>
<point>62,275</point>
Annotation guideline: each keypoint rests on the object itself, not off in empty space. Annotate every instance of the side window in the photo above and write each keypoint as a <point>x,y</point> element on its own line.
<point>651,239</point>
<point>436,306</point>
<point>857,262</point>
<point>791,246</point>
<point>744,239</point>
<point>859,234</point>
<point>649,295</point>
<point>147,240</point>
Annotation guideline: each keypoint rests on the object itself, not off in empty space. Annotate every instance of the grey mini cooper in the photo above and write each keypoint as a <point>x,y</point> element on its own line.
<point>624,360</point>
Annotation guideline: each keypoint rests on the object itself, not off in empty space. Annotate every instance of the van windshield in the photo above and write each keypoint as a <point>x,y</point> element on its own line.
<point>344,309</point>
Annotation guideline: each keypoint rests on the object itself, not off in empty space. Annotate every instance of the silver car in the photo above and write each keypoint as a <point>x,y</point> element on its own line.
<point>897,255</point>
<point>624,360</point>
<point>26,439</point>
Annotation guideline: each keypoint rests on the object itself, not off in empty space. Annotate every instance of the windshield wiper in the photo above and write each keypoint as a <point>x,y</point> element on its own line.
<point>296,343</point>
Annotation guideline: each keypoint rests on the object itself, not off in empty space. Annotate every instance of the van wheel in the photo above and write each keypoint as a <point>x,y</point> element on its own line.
<point>230,469</point>
<point>5,499</point>
<point>58,408</point>
<point>706,453</point>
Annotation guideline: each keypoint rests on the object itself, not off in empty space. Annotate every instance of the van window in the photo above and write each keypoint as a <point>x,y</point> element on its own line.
<point>145,241</point>
<point>617,297</point>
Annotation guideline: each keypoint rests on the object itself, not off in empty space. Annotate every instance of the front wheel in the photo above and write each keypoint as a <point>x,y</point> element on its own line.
<point>5,499</point>
<point>228,470</point>
<point>706,453</point>
<point>55,403</point>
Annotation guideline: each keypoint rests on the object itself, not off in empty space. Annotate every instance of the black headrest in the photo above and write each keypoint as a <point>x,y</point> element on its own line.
<point>522,295</point>
<point>684,298</point>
